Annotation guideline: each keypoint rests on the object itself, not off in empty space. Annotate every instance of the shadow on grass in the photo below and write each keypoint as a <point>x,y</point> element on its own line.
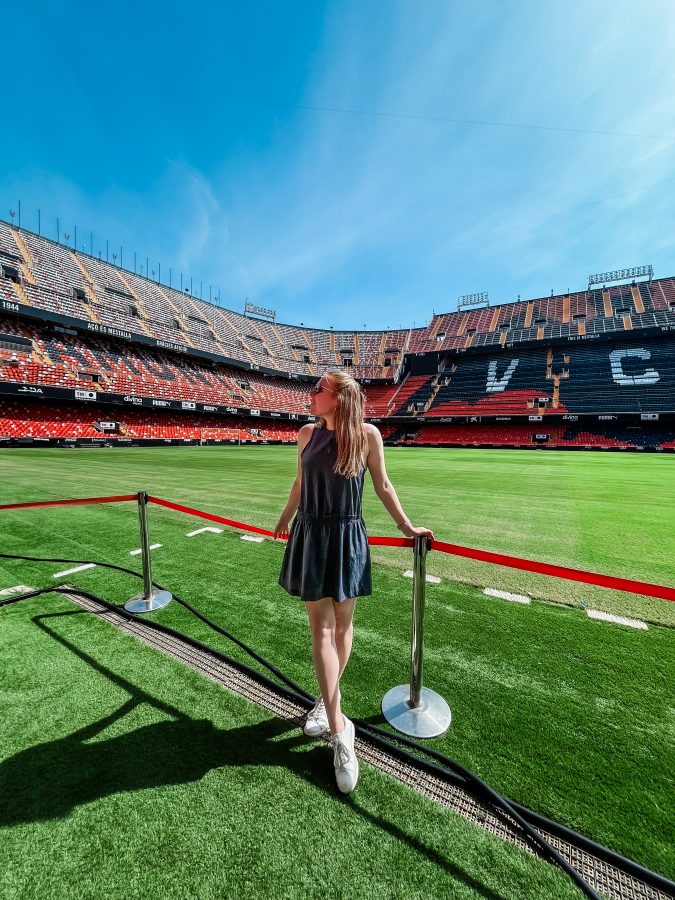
<point>47,781</point>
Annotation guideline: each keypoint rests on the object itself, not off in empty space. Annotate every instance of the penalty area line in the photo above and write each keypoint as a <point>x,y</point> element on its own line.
<point>140,549</point>
<point>76,569</point>
<point>506,595</point>
<point>432,579</point>
<point>618,620</point>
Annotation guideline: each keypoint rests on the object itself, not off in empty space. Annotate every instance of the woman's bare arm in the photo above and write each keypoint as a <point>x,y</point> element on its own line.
<point>384,488</point>
<point>281,528</point>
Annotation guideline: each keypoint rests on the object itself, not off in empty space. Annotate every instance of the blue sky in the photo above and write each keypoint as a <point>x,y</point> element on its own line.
<point>353,163</point>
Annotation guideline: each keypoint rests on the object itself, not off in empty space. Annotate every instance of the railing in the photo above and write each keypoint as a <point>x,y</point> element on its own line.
<point>411,708</point>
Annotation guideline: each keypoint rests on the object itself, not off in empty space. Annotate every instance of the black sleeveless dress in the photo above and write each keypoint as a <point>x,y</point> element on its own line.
<point>327,554</point>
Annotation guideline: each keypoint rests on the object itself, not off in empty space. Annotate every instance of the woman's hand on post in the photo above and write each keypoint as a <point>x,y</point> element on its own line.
<point>411,531</point>
<point>281,529</point>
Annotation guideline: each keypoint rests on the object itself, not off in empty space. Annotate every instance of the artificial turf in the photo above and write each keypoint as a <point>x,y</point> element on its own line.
<point>125,774</point>
<point>569,716</point>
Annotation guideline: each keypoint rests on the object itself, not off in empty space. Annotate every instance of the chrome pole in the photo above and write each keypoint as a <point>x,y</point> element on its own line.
<point>151,598</point>
<point>417,641</point>
<point>410,708</point>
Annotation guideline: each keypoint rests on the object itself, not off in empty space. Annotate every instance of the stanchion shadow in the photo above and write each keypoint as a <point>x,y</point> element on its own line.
<point>48,780</point>
<point>377,719</point>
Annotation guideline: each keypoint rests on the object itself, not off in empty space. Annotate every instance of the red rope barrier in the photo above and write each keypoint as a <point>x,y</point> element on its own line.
<point>515,562</point>
<point>210,516</point>
<point>76,502</point>
<point>384,541</point>
<point>499,559</point>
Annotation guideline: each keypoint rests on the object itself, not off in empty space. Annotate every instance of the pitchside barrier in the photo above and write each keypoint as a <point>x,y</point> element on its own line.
<point>410,708</point>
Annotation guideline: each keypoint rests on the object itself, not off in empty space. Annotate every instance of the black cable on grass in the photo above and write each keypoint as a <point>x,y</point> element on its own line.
<point>295,687</point>
<point>481,789</point>
<point>379,736</point>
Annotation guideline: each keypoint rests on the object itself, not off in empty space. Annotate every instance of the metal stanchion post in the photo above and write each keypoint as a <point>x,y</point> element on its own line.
<point>151,598</point>
<point>410,708</point>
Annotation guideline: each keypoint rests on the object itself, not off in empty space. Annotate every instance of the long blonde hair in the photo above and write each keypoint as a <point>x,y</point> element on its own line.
<point>352,443</point>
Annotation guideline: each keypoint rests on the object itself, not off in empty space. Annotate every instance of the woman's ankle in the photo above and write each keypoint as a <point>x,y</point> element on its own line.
<point>340,730</point>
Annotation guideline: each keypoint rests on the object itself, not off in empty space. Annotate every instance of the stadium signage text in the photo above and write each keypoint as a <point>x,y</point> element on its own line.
<point>112,332</point>
<point>452,419</point>
<point>493,383</point>
<point>167,345</point>
<point>649,376</point>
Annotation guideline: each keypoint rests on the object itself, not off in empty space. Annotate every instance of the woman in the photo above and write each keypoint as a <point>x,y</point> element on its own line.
<point>327,558</point>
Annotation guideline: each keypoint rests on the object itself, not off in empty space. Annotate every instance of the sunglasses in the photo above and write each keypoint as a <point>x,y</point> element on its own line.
<point>321,387</point>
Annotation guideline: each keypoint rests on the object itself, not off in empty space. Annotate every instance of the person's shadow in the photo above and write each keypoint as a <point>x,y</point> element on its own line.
<point>48,780</point>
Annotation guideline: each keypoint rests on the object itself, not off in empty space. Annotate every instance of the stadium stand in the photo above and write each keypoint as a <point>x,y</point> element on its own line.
<point>70,322</point>
<point>60,421</point>
<point>524,435</point>
<point>45,420</point>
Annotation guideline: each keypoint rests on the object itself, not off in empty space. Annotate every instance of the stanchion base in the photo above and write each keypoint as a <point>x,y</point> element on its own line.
<point>430,719</point>
<point>157,600</point>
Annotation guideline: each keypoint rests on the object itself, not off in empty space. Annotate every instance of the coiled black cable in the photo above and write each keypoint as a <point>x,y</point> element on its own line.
<point>448,768</point>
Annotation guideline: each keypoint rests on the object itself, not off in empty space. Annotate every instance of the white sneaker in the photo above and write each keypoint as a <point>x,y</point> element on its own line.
<point>344,758</point>
<point>316,723</point>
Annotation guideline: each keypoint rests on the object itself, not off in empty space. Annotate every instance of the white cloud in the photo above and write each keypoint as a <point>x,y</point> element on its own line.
<point>431,198</point>
<point>341,213</point>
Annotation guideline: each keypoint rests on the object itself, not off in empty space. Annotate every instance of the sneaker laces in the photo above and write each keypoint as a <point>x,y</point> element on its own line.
<point>342,754</point>
<point>318,708</point>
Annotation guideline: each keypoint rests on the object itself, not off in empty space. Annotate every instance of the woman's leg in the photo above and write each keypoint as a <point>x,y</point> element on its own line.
<point>344,630</point>
<point>325,657</point>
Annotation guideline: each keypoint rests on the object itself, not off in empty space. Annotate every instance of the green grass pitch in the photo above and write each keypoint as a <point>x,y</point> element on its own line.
<point>570,716</point>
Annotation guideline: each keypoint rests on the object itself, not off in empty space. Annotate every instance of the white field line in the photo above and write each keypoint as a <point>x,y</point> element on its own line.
<point>76,569</point>
<point>256,538</point>
<point>432,579</point>
<point>620,620</point>
<point>17,589</point>
<point>140,549</point>
<point>202,530</point>
<point>505,595</point>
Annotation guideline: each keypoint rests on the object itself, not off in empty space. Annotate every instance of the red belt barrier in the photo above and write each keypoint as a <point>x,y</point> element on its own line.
<point>499,559</point>
<point>385,541</point>
<point>608,581</point>
<point>76,502</point>
<point>210,516</point>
